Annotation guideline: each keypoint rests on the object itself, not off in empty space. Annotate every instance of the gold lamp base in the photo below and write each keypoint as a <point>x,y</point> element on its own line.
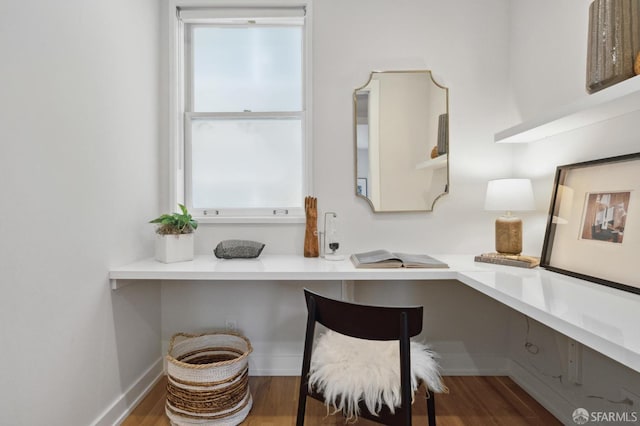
<point>509,235</point>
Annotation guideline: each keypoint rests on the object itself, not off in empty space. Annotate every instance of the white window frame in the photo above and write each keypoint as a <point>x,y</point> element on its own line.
<point>178,151</point>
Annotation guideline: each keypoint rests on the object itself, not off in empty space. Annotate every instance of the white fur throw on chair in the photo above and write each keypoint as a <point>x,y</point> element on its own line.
<point>348,370</point>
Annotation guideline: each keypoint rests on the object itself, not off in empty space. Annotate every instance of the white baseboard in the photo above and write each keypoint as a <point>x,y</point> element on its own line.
<point>549,398</point>
<point>274,365</point>
<point>451,365</point>
<point>464,364</point>
<point>125,403</point>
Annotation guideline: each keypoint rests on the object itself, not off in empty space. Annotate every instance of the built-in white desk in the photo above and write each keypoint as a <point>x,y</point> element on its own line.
<point>269,267</point>
<point>602,318</point>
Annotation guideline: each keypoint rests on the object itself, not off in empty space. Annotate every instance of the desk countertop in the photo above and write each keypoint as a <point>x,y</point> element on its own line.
<point>274,267</point>
<point>601,317</point>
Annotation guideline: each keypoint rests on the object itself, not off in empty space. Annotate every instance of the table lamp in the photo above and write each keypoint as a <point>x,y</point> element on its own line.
<point>509,195</point>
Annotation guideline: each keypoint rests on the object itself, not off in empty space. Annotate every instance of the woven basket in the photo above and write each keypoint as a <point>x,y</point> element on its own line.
<point>208,379</point>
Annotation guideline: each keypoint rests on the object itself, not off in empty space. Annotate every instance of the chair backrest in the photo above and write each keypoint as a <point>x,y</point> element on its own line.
<point>364,321</point>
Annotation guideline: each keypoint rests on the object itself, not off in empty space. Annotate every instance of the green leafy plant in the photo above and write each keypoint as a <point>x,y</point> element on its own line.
<point>176,223</point>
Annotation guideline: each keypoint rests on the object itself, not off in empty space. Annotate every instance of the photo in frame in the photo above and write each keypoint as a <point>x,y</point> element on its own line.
<point>593,226</point>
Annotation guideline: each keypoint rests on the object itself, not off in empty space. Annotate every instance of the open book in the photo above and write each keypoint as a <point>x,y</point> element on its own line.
<point>386,259</point>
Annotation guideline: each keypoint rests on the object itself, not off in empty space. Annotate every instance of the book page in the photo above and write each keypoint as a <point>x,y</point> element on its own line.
<point>420,261</point>
<point>375,256</point>
<point>376,259</point>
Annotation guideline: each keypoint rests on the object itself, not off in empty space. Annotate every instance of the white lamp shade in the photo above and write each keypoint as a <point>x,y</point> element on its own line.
<point>509,195</point>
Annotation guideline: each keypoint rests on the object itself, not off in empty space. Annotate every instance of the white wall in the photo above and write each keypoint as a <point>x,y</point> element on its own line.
<point>465,43</point>
<point>79,113</point>
<point>78,181</point>
<point>548,67</point>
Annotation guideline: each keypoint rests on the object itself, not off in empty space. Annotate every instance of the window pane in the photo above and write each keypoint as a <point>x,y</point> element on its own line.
<point>246,163</point>
<point>240,68</point>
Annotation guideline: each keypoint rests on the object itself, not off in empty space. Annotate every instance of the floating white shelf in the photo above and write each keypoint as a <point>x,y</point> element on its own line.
<point>614,101</point>
<point>433,163</point>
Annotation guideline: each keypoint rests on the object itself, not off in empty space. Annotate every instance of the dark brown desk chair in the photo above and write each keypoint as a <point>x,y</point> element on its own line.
<point>368,323</point>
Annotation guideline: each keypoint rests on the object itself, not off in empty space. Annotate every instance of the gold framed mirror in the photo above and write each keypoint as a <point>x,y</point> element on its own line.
<point>401,133</point>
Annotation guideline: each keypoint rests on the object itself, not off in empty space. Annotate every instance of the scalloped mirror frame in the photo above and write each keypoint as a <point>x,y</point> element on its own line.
<point>418,162</point>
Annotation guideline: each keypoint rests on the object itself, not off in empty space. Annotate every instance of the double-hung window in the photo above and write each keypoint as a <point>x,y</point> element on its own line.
<point>242,143</point>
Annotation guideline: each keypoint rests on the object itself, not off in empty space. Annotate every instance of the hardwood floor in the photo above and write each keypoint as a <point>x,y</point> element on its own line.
<point>472,400</point>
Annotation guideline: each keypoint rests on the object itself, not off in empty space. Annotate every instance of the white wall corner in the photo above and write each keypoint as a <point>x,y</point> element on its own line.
<point>127,401</point>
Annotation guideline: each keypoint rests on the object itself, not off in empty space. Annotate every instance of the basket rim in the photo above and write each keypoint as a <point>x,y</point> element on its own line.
<point>178,363</point>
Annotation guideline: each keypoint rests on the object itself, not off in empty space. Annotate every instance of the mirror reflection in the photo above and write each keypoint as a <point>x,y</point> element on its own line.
<point>402,141</point>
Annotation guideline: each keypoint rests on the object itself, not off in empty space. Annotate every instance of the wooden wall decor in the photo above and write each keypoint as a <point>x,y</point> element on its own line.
<point>311,247</point>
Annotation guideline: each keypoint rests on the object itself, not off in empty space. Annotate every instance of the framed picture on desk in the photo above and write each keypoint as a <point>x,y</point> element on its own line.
<point>593,226</point>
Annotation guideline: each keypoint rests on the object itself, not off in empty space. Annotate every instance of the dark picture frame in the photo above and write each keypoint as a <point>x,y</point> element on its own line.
<point>593,226</point>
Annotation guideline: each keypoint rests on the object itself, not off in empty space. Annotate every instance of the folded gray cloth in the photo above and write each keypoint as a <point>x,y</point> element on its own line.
<point>238,249</point>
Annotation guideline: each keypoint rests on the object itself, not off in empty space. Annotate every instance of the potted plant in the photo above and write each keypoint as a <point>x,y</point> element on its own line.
<point>174,236</point>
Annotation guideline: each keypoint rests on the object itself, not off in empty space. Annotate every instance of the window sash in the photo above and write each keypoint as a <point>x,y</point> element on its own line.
<point>189,98</point>
<point>218,212</point>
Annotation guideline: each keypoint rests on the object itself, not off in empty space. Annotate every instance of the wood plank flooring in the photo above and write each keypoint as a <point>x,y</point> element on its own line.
<point>472,400</point>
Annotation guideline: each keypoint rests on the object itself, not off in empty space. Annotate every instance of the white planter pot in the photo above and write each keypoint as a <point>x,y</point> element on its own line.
<point>174,248</point>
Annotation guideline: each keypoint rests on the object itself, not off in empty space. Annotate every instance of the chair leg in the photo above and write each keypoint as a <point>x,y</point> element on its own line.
<point>431,408</point>
<point>302,405</point>
<point>306,360</point>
